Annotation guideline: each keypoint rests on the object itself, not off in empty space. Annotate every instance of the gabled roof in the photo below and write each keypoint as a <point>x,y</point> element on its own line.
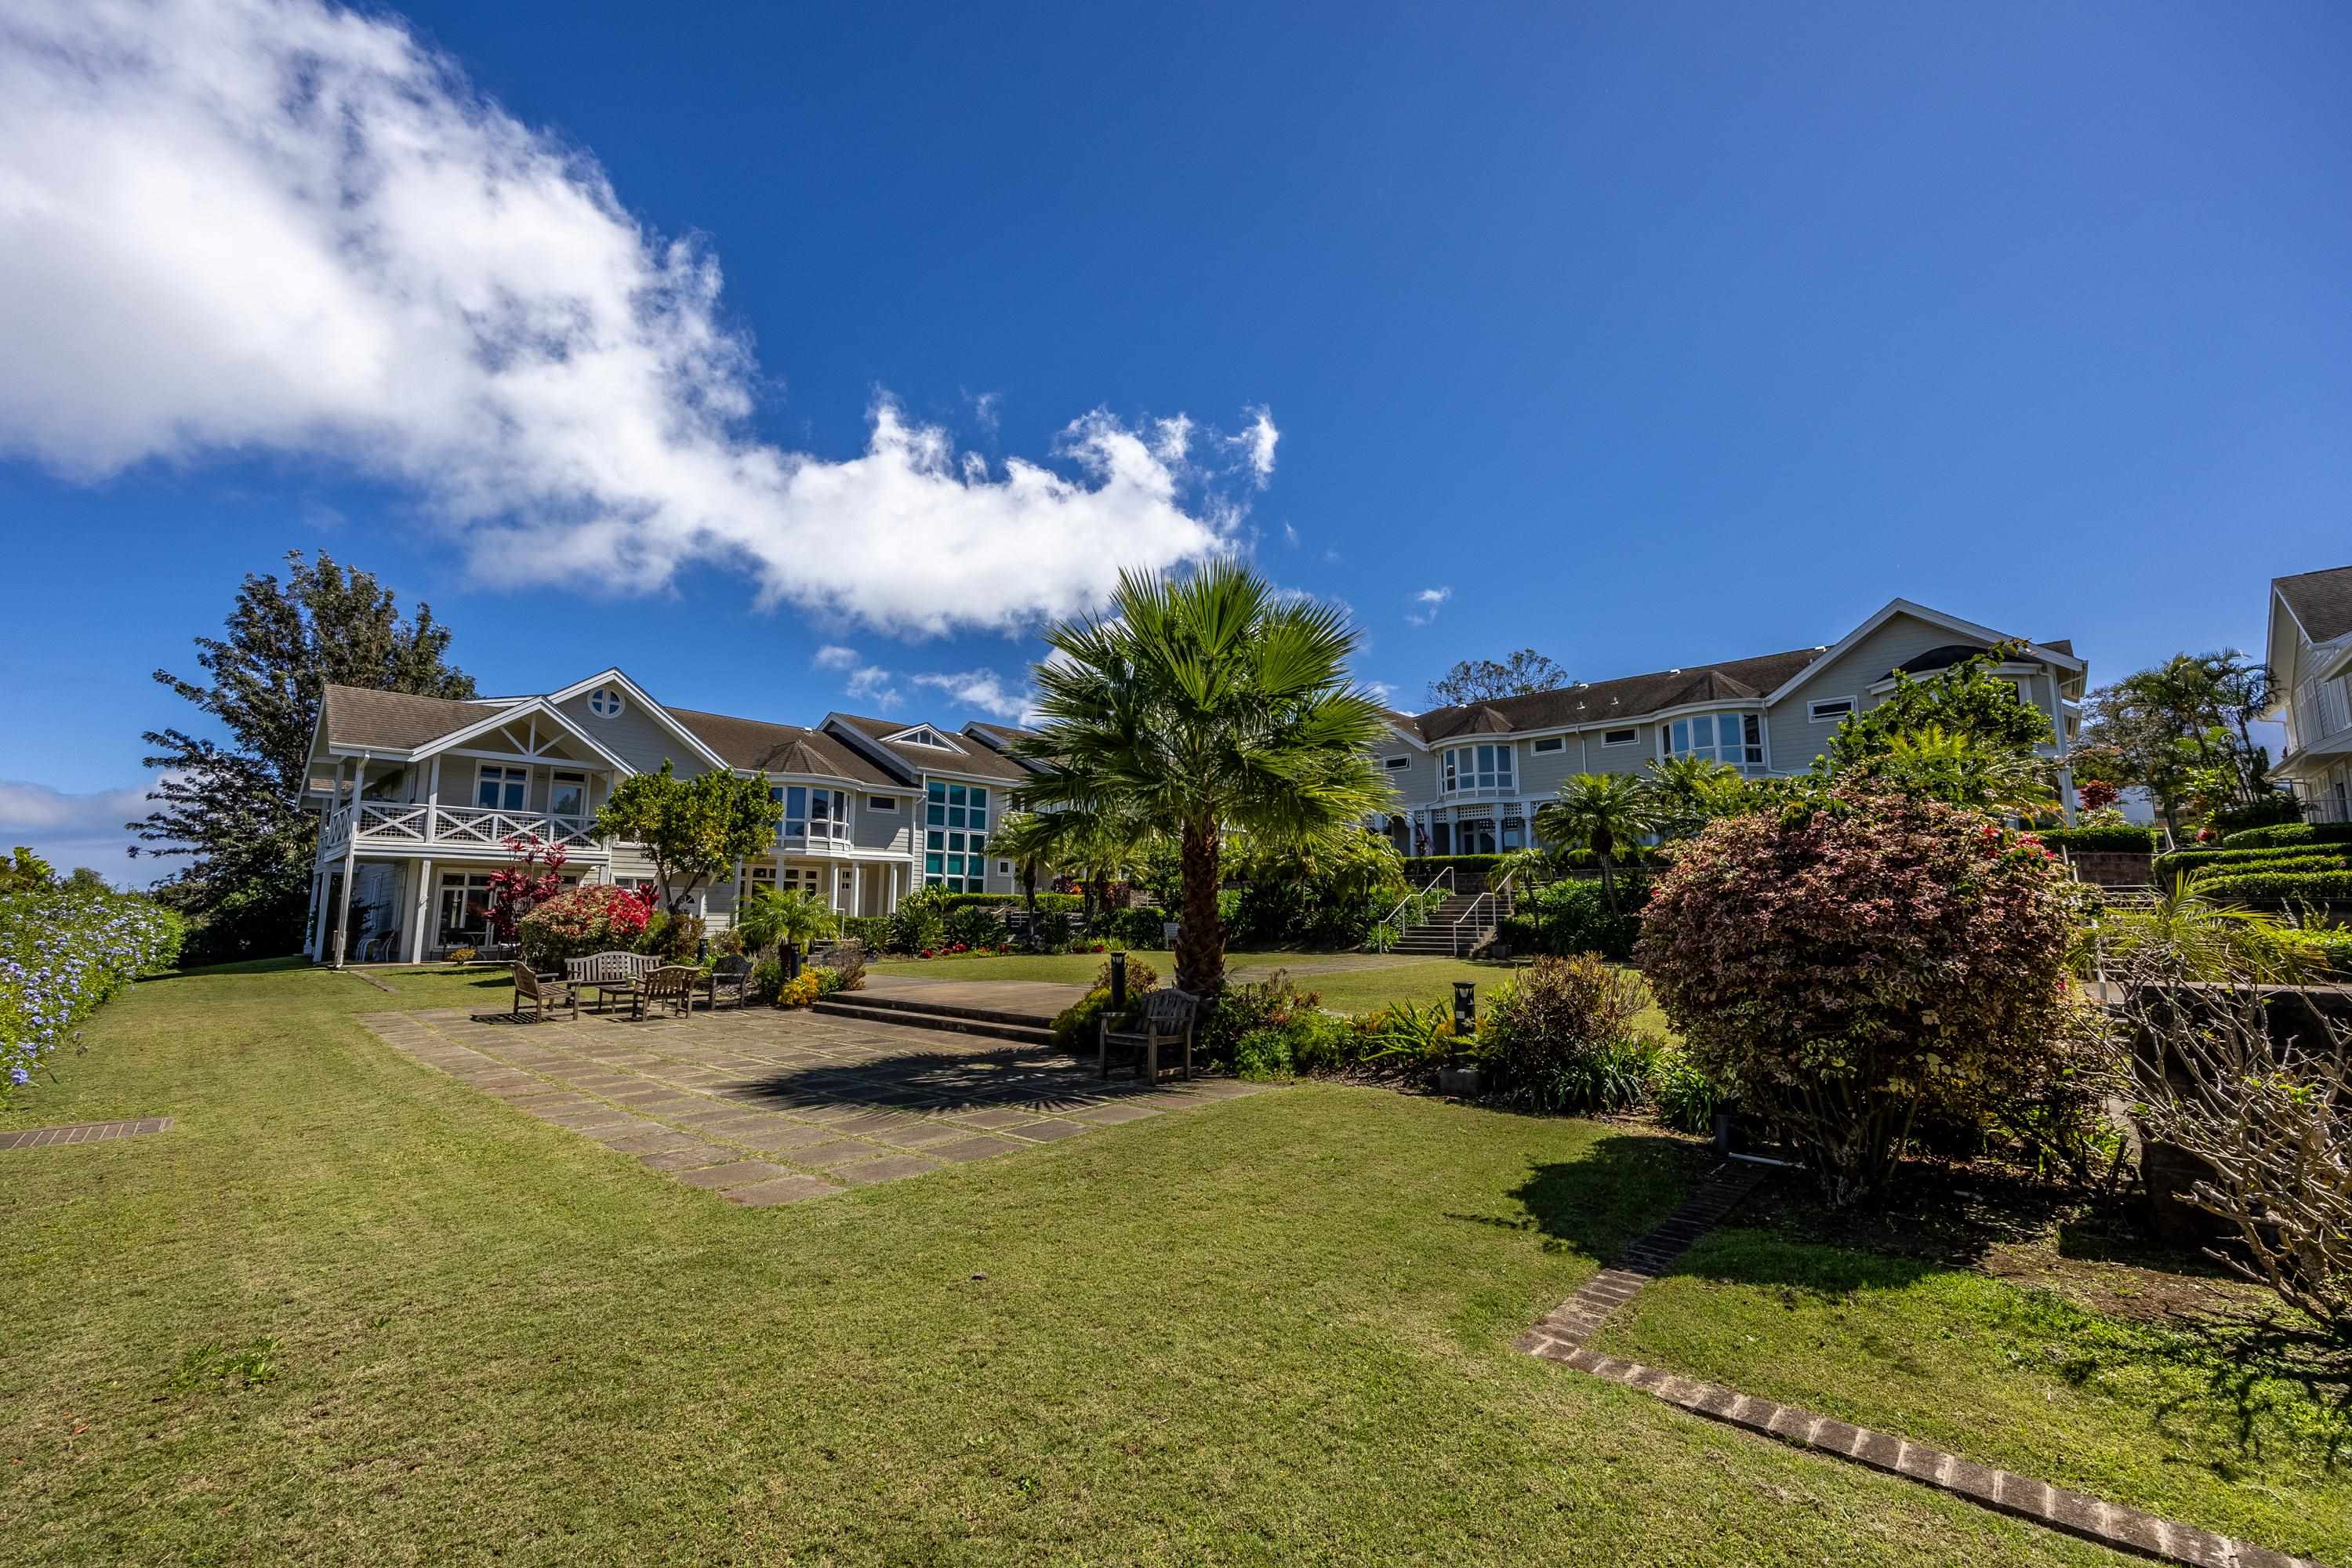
<point>1894,608</point>
<point>757,746</point>
<point>354,716</point>
<point>970,758</point>
<point>613,676</point>
<point>2321,602</point>
<point>997,735</point>
<point>1600,701</point>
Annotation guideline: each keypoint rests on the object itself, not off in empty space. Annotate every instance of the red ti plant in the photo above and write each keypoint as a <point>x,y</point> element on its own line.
<point>535,874</point>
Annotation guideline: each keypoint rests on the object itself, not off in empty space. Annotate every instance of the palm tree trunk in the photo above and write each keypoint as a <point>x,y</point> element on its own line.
<point>1200,939</point>
<point>1029,896</point>
<point>1608,881</point>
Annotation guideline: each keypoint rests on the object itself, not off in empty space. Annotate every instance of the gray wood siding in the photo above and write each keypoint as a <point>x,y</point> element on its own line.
<point>1795,740</point>
<point>635,737</point>
<point>871,830</point>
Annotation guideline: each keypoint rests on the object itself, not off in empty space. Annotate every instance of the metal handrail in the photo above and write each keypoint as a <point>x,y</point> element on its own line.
<point>1481,899</point>
<point>1396,915</point>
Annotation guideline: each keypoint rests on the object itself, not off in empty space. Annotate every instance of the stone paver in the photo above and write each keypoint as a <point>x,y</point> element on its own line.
<point>770,1107</point>
<point>84,1132</point>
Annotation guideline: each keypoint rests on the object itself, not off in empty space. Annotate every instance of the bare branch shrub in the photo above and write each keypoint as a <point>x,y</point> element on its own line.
<point>2256,1084</point>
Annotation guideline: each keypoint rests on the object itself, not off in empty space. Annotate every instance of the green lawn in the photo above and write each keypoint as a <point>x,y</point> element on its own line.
<point>2208,1425</point>
<point>349,1310</point>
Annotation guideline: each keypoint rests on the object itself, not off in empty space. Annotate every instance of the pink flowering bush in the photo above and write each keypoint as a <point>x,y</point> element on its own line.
<point>599,917</point>
<point>1852,964</point>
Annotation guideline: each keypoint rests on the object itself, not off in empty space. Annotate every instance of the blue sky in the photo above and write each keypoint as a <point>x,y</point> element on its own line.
<point>1642,335</point>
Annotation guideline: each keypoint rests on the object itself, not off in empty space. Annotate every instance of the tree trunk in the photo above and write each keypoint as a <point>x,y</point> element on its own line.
<point>1608,881</point>
<point>1200,938</point>
<point>1029,896</point>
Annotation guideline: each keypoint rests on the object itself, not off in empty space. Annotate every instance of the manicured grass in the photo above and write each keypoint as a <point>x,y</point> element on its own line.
<point>2209,1425</point>
<point>350,1311</point>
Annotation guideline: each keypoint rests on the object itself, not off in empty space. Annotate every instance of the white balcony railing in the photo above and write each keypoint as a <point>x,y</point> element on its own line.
<point>385,822</point>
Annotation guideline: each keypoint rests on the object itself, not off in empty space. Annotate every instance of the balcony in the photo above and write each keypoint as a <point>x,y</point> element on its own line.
<point>2322,716</point>
<point>384,823</point>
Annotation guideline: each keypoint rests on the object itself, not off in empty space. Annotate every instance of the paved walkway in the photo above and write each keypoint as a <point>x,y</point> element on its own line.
<point>1041,998</point>
<point>83,1133</point>
<point>769,1106</point>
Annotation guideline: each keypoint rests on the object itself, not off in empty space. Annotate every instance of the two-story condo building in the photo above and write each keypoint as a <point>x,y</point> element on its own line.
<point>1468,779</point>
<point>2310,654</point>
<point>419,795</point>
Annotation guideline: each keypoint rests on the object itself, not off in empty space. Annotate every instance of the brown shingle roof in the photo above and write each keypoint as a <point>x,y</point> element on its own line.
<point>1628,697</point>
<point>395,721</point>
<point>763,747</point>
<point>2322,601</point>
<point>973,758</point>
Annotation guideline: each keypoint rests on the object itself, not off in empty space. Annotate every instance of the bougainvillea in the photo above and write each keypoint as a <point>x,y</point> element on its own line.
<point>1848,966</point>
<point>597,918</point>
<point>61,954</point>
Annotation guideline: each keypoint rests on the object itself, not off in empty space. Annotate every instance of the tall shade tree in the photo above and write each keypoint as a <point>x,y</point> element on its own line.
<point>693,830</point>
<point>1027,839</point>
<point>1602,813</point>
<point>1206,706</point>
<point>2184,728</point>
<point>1484,680</point>
<point>232,806</point>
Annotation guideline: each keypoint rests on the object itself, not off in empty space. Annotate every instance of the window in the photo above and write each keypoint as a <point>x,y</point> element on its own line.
<point>811,812</point>
<point>567,795</point>
<point>500,789</point>
<point>1552,743</point>
<point>1395,763</point>
<point>1619,737</point>
<point>955,843</point>
<point>881,802</point>
<point>1474,838</point>
<point>1733,738</point>
<point>605,702</point>
<point>1004,868</point>
<point>1441,837</point>
<point>1829,710</point>
<point>762,879</point>
<point>924,737</point>
<point>1478,767</point>
<point>465,908</point>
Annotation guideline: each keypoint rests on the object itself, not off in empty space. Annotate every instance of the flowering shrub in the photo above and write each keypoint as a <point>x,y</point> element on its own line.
<point>62,954</point>
<point>534,876</point>
<point>801,990</point>
<point>1555,1035</point>
<point>600,918</point>
<point>1846,968</point>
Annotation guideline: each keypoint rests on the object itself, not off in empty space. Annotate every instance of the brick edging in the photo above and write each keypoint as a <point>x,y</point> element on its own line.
<point>84,1132</point>
<point>1559,1335</point>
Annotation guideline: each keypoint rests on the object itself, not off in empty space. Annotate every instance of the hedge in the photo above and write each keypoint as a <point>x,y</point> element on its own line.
<point>2123,839</point>
<point>2168,866</point>
<point>2314,861</point>
<point>1047,903</point>
<point>2308,887</point>
<point>2289,832</point>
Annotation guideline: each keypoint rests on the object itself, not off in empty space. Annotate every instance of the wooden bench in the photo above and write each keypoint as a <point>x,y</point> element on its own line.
<point>671,985</point>
<point>607,973</point>
<point>1166,1021</point>
<point>543,994</point>
<point>730,976</point>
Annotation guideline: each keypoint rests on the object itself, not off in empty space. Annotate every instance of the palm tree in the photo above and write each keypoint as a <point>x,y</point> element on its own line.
<point>772,917</point>
<point>1598,812</point>
<point>1203,707</point>
<point>1965,771</point>
<point>1693,791</point>
<point>1030,842</point>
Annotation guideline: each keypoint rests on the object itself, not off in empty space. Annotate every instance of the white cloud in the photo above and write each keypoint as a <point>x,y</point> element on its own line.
<point>984,689</point>
<point>1381,691</point>
<point>1290,536</point>
<point>873,684</point>
<point>1257,444</point>
<point>241,226</point>
<point>1429,599</point>
<point>70,830</point>
<point>832,656</point>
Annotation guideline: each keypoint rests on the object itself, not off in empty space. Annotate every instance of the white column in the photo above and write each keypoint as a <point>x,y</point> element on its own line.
<point>856,889</point>
<point>896,868</point>
<point>351,863</point>
<point>318,915</point>
<point>425,901</point>
<point>433,801</point>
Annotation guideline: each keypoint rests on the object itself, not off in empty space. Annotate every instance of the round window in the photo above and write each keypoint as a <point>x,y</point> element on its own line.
<point>604,702</point>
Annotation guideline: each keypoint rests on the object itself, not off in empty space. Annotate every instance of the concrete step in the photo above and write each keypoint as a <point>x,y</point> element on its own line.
<point>849,1004</point>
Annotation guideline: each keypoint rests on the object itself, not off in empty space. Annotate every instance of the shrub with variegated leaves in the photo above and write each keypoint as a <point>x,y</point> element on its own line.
<point>1855,964</point>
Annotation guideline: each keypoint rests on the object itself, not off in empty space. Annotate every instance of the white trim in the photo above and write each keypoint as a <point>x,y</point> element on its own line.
<point>1545,746</point>
<point>1813,710</point>
<point>1918,612</point>
<point>1632,736</point>
<point>620,703</point>
<point>613,677</point>
<point>937,742</point>
<point>1394,764</point>
<point>882,805</point>
<point>536,706</point>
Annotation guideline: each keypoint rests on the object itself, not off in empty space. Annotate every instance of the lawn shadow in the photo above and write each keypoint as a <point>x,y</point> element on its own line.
<point>242,966</point>
<point>1624,1184</point>
<point>946,1081</point>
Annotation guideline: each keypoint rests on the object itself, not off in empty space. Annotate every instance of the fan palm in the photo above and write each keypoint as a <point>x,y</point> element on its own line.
<point>1601,812</point>
<point>1028,840</point>
<point>772,917</point>
<point>1693,791</point>
<point>1201,707</point>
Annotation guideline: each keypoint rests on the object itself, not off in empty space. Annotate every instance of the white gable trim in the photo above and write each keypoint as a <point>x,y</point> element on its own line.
<point>1408,737</point>
<point>535,708</point>
<point>839,727</point>
<point>906,737</point>
<point>1918,612</point>
<point>645,699</point>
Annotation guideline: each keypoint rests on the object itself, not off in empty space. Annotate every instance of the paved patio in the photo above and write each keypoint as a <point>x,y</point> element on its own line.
<point>768,1107</point>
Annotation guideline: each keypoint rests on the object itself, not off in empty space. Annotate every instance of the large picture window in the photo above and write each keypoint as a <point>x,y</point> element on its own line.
<point>1733,738</point>
<point>499,788</point>
<point>1478,767</point>
<point>955,837</point>
<point>806,812</point>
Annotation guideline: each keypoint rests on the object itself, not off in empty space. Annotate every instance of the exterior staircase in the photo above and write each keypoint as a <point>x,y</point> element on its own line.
<point>1456,927</point>
<point>1028,1028</point>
